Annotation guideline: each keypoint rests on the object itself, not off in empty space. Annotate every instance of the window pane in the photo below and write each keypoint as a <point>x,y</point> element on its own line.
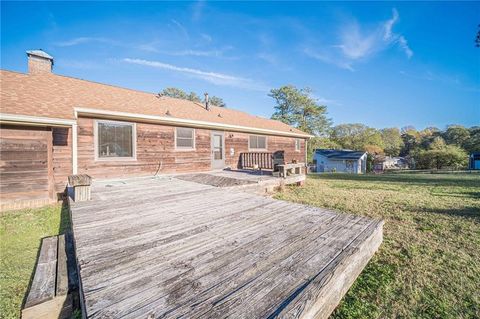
<point>217,141</point>
<point>262,142</point>
<point>184,132</point>
<point>185,142</point>
<point>253,141</point>
<point>185,137</point>
<point>115,140</point>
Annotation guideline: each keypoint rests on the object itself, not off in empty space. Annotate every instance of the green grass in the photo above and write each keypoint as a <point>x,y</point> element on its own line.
<point>427,267</point>
<point>429,263</point>
<point>20,236</point>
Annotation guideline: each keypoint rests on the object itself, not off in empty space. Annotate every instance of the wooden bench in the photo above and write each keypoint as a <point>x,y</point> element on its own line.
<point>55,281</point>
<point>256,160</point>
<point>80,186</point>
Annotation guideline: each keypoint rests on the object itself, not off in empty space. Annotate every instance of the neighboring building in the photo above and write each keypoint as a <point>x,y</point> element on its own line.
<point>474,161</point>
<point>382,163</point>
<point>345,161</point>
<point>53,126</point>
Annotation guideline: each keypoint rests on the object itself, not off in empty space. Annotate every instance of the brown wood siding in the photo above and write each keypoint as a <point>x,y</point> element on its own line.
<point>239,143</point>
<point>25,163</point>
<point>62,157</point>
<point>36,161</point>
<point>156,153</point>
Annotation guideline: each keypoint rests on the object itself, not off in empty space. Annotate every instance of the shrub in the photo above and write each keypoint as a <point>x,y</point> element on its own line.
<point>442,157</point>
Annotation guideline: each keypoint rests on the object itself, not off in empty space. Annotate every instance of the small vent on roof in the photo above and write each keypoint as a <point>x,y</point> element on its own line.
<point>168,113</point>
<point>220,115</point>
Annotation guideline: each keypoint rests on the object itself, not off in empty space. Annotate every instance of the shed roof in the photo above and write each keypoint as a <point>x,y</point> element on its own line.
<point>340,154</point>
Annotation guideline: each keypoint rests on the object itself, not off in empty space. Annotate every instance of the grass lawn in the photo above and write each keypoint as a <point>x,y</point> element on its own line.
<point>429,263</point>
<point>20,234</point>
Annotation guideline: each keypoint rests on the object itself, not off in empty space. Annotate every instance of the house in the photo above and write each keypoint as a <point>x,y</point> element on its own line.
<point>53,126</point>
<point>381,163</point>
<point>346,161</point>
<point>474,161</point>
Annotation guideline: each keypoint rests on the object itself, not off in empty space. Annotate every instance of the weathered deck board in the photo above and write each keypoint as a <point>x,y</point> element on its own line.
<point>43,284</point>
<point>217,181</point>
<point>167,248</point>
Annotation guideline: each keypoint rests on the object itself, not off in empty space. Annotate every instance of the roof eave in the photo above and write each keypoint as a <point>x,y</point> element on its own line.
<point>34,120</point>
<point>169,120</point>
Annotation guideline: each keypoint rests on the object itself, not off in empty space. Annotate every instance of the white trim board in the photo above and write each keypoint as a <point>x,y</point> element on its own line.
<point>34,120</point>
<point>182,122</point>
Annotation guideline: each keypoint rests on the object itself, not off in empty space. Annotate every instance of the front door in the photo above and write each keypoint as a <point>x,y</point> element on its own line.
<point>218,150</point>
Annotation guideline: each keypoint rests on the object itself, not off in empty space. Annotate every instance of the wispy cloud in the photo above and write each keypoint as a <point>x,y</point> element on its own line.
<point>206,37</point>
<point>212,77</point>
<point>356,43</point>
<point>197,10</point>
<point>155,47</point>
<point>85,40</point>
<point>388,25</point>
<point>402,42</point>
<point>390,37</point>
<point>199,53</point>
<point>181,28</point>
<point>324,101</point>
<point>327,57</point>
<point>149,47</point>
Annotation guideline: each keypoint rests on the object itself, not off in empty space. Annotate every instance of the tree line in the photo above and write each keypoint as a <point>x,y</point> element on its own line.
<point>192,96</point>
<point>427,148</point>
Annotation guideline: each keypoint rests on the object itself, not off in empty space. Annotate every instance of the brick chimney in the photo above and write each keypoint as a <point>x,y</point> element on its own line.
<point>39,62</point>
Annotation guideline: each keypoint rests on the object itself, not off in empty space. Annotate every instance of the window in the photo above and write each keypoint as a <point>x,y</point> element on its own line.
<point>297,144</point>
<point>185,138</point>
<point>115,140</point>
<point>257,142</point>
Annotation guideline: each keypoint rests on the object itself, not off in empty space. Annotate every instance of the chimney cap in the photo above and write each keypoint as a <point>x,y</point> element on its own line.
<point>40,53</point>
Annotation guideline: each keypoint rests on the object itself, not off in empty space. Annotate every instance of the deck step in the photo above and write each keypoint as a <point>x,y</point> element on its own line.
<point>49,295</point>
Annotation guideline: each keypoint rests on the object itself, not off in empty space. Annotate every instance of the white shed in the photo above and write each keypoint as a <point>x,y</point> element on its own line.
<point>342,161</point>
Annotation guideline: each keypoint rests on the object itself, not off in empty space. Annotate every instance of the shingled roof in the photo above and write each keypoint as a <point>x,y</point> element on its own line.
<point>55,96</point>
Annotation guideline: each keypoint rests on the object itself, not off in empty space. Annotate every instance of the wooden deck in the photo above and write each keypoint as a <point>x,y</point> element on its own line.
<point>256,181</point>
<point>165,247</point>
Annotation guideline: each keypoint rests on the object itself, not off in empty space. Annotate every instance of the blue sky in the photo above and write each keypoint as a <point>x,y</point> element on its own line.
<point>379,63</point>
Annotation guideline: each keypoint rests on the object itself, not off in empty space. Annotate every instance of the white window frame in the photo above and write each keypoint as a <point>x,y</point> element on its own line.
<point>114,159</point>
<point>184,148</point>
<point>298,142</point>
<point>258,149</point>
